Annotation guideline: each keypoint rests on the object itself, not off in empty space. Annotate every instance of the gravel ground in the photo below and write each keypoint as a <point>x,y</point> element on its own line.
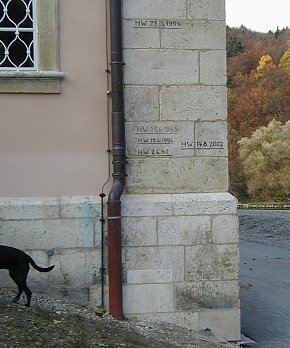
<point>270,227</point>
<point>52,323</point>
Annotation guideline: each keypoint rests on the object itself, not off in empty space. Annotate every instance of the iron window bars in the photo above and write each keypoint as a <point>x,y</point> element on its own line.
<point>17,35</point>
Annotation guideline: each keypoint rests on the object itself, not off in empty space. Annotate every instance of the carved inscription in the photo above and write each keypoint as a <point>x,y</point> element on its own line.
<point>157,129</point>
<point>163,139</point>
<point>210,144</point>
<point>157,23</point>
<point>211,139</point>
<point>156,140</point>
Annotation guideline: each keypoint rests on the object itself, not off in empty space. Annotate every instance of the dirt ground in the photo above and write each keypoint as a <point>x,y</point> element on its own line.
<point>37,327</point>
<point>51,323</point>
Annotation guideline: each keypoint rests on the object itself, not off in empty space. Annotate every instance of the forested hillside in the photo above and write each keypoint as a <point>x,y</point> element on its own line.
<point>259,96</point>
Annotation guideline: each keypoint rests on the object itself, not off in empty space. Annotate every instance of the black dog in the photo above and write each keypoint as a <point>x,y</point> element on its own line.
<point>17,263</point>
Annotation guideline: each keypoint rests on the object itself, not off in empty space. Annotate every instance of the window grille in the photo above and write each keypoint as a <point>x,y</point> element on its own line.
<point>17,35</point>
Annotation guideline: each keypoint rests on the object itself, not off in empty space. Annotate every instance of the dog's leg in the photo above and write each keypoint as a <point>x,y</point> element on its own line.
<point>20,289</point>
<point>19,276</point>
<point>28,294</point>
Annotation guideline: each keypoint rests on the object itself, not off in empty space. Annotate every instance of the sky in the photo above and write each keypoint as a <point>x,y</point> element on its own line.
<point>258,15</point>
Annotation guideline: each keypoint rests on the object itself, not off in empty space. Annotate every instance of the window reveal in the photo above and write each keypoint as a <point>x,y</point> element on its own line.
<point>17,35</point>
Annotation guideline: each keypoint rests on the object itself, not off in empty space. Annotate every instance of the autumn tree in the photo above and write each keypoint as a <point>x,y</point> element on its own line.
<point>285,60</point>
<point>259,90</point>
<point>242,63</point>
<point>266,64</point>
<point>265,159</point>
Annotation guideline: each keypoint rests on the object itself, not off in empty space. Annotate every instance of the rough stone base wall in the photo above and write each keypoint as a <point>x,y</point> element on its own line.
<point>63,231</point>
<point>181,260</point>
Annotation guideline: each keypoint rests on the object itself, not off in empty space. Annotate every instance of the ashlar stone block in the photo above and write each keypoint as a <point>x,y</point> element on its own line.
<point>225,229</point>
<point>221,294</point>
<point>76,267</point>
<point>207,295</point>
<point>161,67</point>
<point>184,230</point>
<point>170,9</point>
<point>139,231</point>
<point>141,103</point>
<point>134,205</point>
<point>206,9</point>
<point>220,203</point>
<point>22,208</point>
<point>221,262</point>
<point>47,234</point>
<point>195,35</point>
<point>156,258</point>
<point>80,207</point>
<point>213,67</point>
<point>176,175</point>
<point>148,298</point>
<point>207,103</point>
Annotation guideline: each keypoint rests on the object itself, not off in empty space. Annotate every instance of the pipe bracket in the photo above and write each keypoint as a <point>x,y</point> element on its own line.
<point>116,62</point>
<point>114,217</point>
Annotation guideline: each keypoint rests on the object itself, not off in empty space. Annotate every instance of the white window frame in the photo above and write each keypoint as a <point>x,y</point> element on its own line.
<point>45,77</point>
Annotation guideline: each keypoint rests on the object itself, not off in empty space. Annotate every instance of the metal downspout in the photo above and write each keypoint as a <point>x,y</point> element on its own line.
<point>119,163</point>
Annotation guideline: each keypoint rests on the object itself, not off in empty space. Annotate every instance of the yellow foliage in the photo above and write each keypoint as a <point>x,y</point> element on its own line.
<point>265,64</point>
<point>285,61</point>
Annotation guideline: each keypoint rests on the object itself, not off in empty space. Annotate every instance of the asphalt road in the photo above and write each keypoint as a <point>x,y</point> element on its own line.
<point>265,278</point>
<point>270,227</point>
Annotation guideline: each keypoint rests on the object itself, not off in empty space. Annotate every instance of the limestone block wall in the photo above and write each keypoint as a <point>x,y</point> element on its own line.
<point>180,226</point>
<point>63,231</point>
<point>181,260</point>
<point>175,76</point>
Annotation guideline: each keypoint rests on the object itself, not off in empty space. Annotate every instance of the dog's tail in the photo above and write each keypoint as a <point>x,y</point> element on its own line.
<point>40,269</point>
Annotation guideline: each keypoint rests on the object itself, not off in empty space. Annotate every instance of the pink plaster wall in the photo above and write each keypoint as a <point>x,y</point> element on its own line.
<point>53,145</point>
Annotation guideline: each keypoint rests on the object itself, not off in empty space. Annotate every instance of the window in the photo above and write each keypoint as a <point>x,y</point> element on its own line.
<point>29,46</point>
<point>18,37</point>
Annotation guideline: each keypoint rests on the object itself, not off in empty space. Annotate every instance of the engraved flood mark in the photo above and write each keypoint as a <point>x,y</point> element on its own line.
<point>211,139</point>
<point>161,139</point>
<point>211,144</point>
<point>166,139</point>
<point>157,23</point>
<point>157,129</point>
